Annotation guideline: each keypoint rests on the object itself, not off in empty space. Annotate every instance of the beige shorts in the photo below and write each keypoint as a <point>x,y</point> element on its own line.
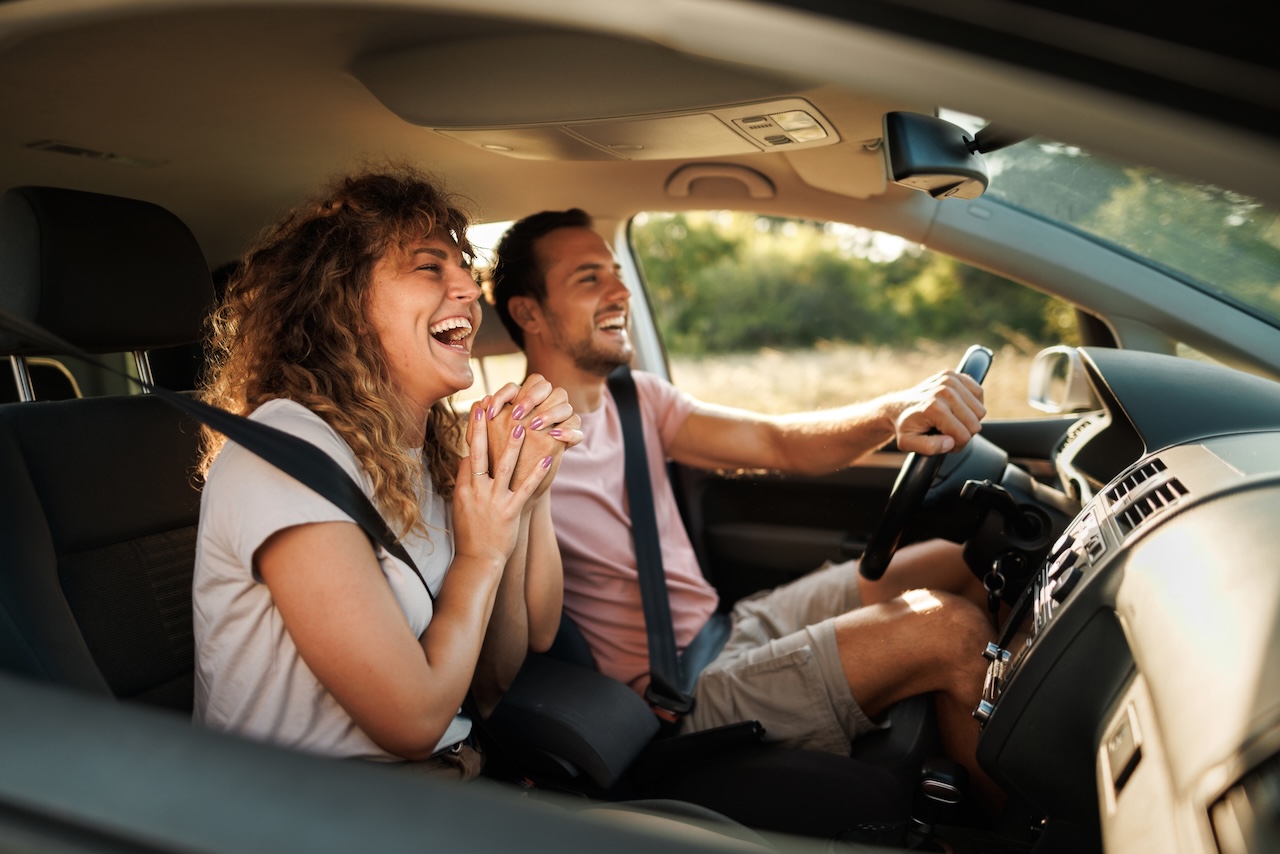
<point>781,666</point>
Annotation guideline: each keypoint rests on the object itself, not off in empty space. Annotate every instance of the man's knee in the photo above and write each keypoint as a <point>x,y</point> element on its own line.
<point>961,632</point>
<point>956,629</point>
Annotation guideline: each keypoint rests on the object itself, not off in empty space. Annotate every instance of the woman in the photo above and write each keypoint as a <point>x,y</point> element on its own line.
<point>349,325</point>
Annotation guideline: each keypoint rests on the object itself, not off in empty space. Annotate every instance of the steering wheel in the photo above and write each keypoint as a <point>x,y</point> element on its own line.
<point>913,482</point>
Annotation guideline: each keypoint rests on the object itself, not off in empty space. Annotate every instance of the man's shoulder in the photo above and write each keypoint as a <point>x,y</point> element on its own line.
<point>666,405</point>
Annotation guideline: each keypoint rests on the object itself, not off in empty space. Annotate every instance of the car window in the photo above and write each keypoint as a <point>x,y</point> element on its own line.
<point>779,315</point>
<point>491,372</point>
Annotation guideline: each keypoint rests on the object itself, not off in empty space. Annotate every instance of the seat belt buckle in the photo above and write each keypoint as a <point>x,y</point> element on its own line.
<point>668,708</point>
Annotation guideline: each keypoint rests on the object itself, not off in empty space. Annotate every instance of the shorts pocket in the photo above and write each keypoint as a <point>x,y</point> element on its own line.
<point>781,688</point>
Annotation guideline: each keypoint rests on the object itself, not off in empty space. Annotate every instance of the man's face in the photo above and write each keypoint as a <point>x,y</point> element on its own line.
<point>587,306</point>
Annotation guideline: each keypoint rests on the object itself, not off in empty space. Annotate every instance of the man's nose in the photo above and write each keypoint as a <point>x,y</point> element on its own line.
<point>618,290</point>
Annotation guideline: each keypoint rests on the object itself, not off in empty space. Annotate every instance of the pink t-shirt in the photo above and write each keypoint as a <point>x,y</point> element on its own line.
<point>593,526</point>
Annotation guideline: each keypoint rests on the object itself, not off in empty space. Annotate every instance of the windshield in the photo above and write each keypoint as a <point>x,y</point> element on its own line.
<point>1218,241</point>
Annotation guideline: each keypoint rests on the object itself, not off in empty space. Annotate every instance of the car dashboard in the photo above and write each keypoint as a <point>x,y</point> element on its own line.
<point>1134,686</point>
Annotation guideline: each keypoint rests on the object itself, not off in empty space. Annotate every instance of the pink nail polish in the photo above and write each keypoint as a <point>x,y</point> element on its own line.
<point>479,413</point>
<point>519,413</point>
<point>554,433</point>
<point>493,412</point>
<point>518,432</point>
<point>546,462</point>
<point>536,424</point>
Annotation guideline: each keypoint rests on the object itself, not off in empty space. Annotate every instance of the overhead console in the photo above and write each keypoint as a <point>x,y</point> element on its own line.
<point>588,97</point>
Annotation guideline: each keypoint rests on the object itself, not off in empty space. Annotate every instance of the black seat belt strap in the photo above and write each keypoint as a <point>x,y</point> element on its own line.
<point>664,692</point>
<point>294,456</point>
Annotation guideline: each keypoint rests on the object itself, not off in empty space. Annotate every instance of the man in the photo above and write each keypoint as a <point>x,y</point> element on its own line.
<point>816,661</point>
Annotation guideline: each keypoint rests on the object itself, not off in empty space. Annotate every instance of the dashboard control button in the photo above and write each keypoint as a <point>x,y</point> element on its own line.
<point>1066,582</point>
<point>1064,561</point>
<point>1124,748</point>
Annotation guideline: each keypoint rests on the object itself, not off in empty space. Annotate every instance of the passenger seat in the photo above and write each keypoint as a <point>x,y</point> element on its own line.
<point>99,507</point>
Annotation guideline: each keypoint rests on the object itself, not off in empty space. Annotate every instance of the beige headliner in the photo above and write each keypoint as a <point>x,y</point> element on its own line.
<point>246,109</point>
<point>247,106</point>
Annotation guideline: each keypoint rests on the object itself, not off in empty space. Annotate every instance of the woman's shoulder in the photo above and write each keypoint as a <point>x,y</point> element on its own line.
<point>296,420</point>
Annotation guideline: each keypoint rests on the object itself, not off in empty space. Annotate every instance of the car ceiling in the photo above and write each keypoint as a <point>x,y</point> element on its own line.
<point>225,113</point>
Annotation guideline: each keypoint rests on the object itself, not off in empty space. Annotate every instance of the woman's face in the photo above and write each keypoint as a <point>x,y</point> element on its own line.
<point>423,306</point>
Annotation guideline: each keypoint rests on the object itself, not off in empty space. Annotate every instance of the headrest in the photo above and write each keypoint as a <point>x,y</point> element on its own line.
<point>493,338</point>
<point>107,274</point>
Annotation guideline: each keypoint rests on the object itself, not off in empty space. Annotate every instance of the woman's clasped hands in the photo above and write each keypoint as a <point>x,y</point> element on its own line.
<point>516,436</point>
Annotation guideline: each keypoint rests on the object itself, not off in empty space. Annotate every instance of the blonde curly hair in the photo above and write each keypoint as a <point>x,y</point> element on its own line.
<point>293,324</point>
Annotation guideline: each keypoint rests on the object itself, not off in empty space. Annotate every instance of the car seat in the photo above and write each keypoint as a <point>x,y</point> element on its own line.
<point>98,512</point>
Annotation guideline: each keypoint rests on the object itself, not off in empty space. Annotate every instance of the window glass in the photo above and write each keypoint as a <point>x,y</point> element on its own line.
<point>493,372</point>
<point>1224,243</point>
<point>781,315</point>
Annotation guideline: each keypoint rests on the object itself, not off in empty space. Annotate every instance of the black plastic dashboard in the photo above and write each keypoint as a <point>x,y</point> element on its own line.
<point>1170,551</point>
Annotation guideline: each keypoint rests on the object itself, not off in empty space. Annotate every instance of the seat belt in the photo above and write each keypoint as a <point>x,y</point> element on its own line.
<point>671,677</point>
<point>296,457</point>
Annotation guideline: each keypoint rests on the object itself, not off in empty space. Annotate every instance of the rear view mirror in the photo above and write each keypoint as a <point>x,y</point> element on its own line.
<point>1058,383</point>
<point>930,154</point>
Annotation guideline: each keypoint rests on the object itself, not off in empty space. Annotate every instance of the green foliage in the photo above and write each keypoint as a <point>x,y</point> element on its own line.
<point>721,282</point>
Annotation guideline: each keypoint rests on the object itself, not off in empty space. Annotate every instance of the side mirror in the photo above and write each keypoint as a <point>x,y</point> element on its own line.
<point>930,154</point>
<point>1058,382</point>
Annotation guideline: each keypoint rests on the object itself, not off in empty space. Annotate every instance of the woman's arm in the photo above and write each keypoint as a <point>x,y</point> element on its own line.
<point>349,629</point>
<point>527,612</point>
<point>402,691</point>
<point>544,580</point>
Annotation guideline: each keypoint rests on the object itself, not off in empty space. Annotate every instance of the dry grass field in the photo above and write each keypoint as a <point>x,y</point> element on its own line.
<point>829,375</point>
<point>834,374</point>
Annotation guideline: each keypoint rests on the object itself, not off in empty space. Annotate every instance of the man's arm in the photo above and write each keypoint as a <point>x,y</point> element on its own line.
<point>819,442</point>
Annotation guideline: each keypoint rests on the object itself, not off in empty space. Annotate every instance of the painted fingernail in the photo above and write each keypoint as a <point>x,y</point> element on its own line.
<point>479,413</point>
<point>546,462</point>
<point>519,413</point>
<point>518,432</point>
<point>536,424</point>
<point>554,433</point>
<point>493,412</point>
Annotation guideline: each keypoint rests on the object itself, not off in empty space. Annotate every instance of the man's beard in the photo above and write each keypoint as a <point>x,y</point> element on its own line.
<point>589,357</point>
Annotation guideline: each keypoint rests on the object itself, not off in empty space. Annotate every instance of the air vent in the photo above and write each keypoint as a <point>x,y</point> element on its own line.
<point>54,147</point>
<point>1135,478</point>
<point>1151,502</point>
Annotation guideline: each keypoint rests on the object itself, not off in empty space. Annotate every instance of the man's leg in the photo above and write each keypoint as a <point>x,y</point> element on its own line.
<point>930,565</point>
<point>923,641</point>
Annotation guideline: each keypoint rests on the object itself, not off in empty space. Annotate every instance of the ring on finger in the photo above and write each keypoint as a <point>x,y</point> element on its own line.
<point>479,473</point>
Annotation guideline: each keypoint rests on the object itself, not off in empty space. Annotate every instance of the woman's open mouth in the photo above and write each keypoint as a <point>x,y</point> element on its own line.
<point>452,332</point>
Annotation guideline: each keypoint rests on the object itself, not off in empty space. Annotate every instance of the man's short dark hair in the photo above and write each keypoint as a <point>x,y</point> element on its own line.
<point>516,271</point>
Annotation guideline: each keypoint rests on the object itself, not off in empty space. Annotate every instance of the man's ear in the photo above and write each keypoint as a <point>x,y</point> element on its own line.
<point>527,314</point>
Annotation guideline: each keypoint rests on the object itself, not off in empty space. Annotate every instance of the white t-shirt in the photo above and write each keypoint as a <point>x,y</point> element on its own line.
<point>250,678</point>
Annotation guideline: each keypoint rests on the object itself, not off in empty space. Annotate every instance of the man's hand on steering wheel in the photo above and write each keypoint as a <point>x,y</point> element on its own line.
<point>941,415</point>
<point>945,419</point>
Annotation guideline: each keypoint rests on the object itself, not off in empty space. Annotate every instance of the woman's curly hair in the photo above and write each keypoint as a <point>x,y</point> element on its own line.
<point>293,324</point>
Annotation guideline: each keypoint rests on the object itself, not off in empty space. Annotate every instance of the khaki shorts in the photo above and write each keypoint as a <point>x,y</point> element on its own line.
<point>781,666</point>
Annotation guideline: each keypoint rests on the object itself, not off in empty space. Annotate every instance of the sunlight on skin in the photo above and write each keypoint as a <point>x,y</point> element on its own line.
<point>921,601</point>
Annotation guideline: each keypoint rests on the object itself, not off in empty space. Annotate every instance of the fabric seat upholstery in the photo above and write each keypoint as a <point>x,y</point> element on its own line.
<point>98,514</point>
